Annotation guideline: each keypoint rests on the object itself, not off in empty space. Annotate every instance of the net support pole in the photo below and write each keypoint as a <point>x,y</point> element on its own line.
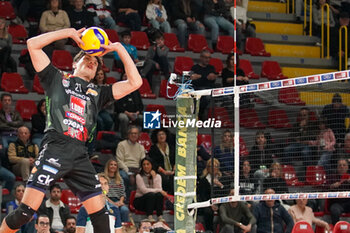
<point>186,164</point>
<point>236,140</point>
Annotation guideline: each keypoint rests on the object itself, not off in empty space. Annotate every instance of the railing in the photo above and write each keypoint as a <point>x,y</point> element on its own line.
<point>310,17</point>
<point>288,7</point>
<point>322,30</point>
<point>345,45</point>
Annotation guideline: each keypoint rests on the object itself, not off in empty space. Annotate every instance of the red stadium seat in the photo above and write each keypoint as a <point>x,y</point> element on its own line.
<point>217,63</point>
<point>163,89</point>
<point>19,33</point>
<point>322,229</point>
<point>315,175</point>
<point>199,227</point>
<point>37,86</point>
<point>145,140</point>
<point>246,66</point>
<point>249,119</point>
<point>23,52</point>
<point>139,40</point>
<point>100,136</point>
<point>221,114</point>
<point>290,176</point>
<point>161,108</point>
<point>225,44</point>
<point>327,212</point>
<point>342,227</point>
<point>62,59</point>
<point>182,64</point>
<point>171,41</point>
<point>71,200</point>
<point>105,68</point>
<point>112,35</point>
<point>243,150</point>
<point>255,47</point>
<point>6,10</point>
<point>197,42</point>
<point>278,119</point>
<point>302,227</point>
<point>205,141</point>
<point>290,96</point>
<point>146,91</point>
<point>26,108</point>
<point>12,82</point>
<point>111,80</point>
<point>272,70</point>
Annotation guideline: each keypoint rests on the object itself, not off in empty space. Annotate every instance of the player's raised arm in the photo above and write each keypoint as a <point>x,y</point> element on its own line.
<point>36,44</point>
<point>134,81</point>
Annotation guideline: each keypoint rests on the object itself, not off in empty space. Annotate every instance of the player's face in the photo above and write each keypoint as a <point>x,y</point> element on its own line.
<point>86,67</point>
<point>19,193</point>
<point>71,225</point>
<point>43,225</point>
<point>146,166</point>
<point>56,194</point>
<point>113,166</point>
<point>104,185</point>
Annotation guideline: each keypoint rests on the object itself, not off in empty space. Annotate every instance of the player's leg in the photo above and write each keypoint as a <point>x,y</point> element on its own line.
<point>99,215</point>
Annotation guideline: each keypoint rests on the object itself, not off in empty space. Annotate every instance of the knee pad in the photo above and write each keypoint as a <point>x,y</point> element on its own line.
<point>100,221</point>
<point>19,217</point>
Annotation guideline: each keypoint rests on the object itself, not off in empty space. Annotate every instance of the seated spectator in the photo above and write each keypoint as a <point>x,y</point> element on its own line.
<point>275,179</point>
<point>83,220</point>
<point>71,223</point>
<point>271,216</point>
<point>301,212</point>
<point>7,63</point>
<point>42,224</point>
<point>54,19</point>
<point>55,209</point>
<point>79,16</point>
<point>12,205</point>
<point>203,154</point>
<point>6,176</point>
<point>22,153</point>
<point>128,14</point>
<point>38,123</point>
<point>344,152</point>
<point>186,17</point>
<point>125,37</point>
<point>102,13</point>
<point>225,153</point>
<point>149,195</point>
<point>10,120</point>
<point>116,194</point>
<point>145,226</point>
<point>247,183</point>
<point>317,17</point>
<point>156,14</point>
<point>235,216</point>
<point>129,110</point>
<point>162,153</point>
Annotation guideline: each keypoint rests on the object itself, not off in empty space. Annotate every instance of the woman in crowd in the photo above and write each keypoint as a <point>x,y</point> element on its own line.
<point>156,14</point>
<point>224,153</point>
<point>38,123</point>
<point>276,180</point>
<point>7,63</point>
<point>116,192</point>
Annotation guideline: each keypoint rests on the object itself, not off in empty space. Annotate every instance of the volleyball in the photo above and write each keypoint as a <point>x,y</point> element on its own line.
<point>93,37</point>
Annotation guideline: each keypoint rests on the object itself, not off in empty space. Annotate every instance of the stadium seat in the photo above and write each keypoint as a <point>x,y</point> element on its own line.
<point>255,47</point>
<point>225,44</point>
<point>37,86</point>
<point>105,68</point>
<point>315,176</point>
<point>243,150</point>
<point>290,176</point>
<point>71,200</point>
<point>26,109</point>
<point>161,108</point>
<point>322,229</point>
<point>199,227</point>
<point>197,42</point>
<point>163,89</point>
<point>182,64</point>
<point>217,63</point>
<point>5,191</point>
<point>249,119</point>
<point>205,141</point>
<point>62,59</point>
<point>220,113</point>
<point>302,227</point>
<point>139,40</point>
<point>342,227</point>
<point>6,10</point>
<point>23,52</point>
<point>12,82</point>
<point>171,41</point>
<point>100,136</point>
<point>19,33</point>
<point>290,96</point>
<point>272,70</point>
<point>112,35</point>
<point>146,91</point>
<point>111,80</point>
<point>246,66</point>
<point>145,140</point>
<point>278,119</point>
<point>327,211</point>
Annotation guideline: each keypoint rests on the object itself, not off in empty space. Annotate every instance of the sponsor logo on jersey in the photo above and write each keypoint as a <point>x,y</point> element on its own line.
<point>53,162</point>
<point>92,92</point>
<point>65,82</point>
<point>34,170</point>
<point>77,134</point>
<point>81,96</point>
<point>45,180</point>
<point>50,169</point>
<point>74,116</point>
<point>73,124</point>
<point>77,105</point>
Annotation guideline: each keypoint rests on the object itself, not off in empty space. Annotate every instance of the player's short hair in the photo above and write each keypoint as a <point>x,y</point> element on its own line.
<point>81,54</point>
<point>103,175</point>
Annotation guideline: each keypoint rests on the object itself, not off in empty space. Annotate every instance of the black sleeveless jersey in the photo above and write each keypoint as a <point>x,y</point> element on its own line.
<point>72,104</point>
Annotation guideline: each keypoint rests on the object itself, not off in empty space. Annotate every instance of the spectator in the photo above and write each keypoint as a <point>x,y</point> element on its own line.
<point>7,63</point>
<point>334,34</point>
<point>128,14</point>
<point>301,212</point>
<point>236,217</point>
<point>79,16</point>
<point>162,153</point>
<point>10,120</point>
<point>345,151</point>
<point>215,18</point>
<point>22,153</point>
<point>186,17</point>
<point>116,194</point>
<point>38,123</point>
<point>54,19</point>
<point>203,154</point>
<point>55,209</point>
<point>335,113</point>
<point>203,77</point>
<point>225,153</point>
<point>42,224</point>
<point>125,41</point>
<point>247,183</point>
<point>317,17</point>
<point>6,176</point>
<point>128,109</point>
<point>271,216</point>
<point>156,14</point>
<point>102,13</point>
<point>71,223</point>
<point>276,179</point>
<point>149,195</point>
<point>83,219</point>
<point>145,226</point>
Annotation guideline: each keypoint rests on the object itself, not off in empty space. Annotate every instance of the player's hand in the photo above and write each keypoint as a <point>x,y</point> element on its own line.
<point>76,36</point>
<point>110,48</point>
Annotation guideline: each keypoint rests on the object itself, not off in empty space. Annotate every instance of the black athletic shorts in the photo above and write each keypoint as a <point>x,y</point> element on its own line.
<point>63,157</point>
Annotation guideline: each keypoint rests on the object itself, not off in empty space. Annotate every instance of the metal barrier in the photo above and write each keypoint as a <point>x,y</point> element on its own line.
<point>322,30</point>
<point>310,17</point>
<point>340,47</point>
<point>288,7</point>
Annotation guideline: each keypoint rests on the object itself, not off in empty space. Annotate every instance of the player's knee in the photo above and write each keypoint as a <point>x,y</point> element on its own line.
<point>100,220</point>
<point>19,217</point>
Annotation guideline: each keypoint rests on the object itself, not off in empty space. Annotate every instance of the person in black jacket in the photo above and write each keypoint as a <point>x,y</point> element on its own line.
<point>128,109</point>
<point>162,153</point>
<point>38,123</point>
<point>79,17</point>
